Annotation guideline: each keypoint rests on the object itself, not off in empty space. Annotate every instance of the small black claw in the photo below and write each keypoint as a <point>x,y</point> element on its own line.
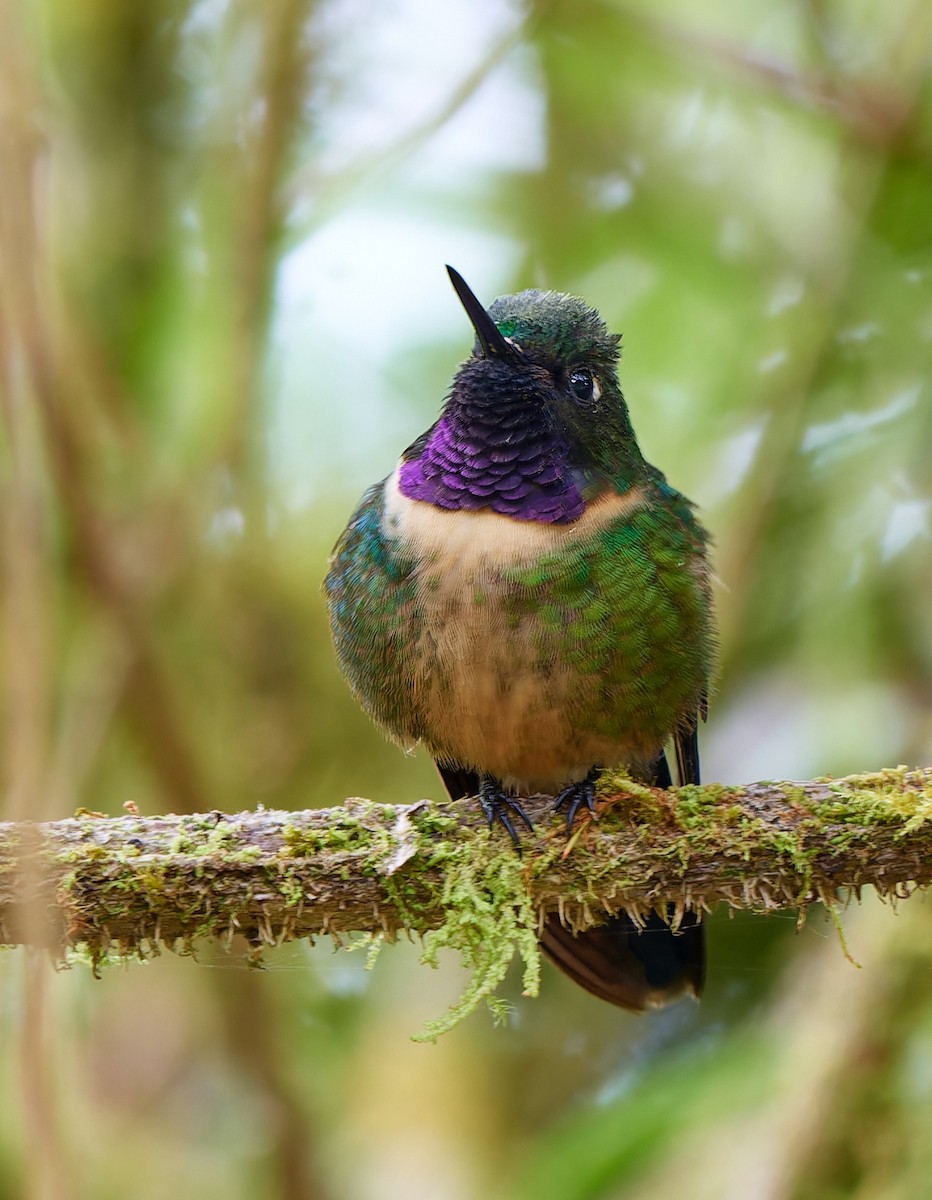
<point>499,806</point>
<point>576,796</point>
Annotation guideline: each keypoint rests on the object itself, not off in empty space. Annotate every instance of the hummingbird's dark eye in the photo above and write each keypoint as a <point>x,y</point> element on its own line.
<point>583,386</point>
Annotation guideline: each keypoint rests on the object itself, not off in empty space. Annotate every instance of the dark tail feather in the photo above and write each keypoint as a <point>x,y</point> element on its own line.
<point>635,968</point>
<point>459,782</point>
<point>686,746</point>
<point>631,967</point>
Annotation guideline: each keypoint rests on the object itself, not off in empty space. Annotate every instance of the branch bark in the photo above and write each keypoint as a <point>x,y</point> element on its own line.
<point>131,884</point>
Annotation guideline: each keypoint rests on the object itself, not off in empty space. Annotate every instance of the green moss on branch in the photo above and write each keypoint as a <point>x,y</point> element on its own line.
<point>129,885</point>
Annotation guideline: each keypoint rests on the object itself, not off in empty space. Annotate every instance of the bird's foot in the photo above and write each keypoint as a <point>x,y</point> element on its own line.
<point>576,796</point>
<point>499,806</point>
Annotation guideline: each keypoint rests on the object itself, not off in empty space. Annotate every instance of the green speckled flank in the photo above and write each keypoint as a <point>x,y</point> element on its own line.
<point>370,592</point>
<point>629,610</point>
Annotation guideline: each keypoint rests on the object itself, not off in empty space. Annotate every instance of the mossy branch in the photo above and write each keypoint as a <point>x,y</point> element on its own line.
<point>131,884</point>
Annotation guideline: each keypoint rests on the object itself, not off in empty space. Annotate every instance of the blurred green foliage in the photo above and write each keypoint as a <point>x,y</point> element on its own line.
<point>746,192</point>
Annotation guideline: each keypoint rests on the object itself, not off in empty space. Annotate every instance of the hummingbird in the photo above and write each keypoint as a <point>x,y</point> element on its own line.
<point>528,598</point>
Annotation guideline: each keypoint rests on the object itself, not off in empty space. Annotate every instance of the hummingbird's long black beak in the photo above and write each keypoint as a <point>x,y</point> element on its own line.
<point>490,337</point>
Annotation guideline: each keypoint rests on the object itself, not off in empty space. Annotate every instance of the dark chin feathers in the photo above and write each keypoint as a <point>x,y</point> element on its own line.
<point>631,967</point>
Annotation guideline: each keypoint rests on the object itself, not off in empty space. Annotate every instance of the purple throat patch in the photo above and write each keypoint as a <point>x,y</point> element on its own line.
<point>506,465</point>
